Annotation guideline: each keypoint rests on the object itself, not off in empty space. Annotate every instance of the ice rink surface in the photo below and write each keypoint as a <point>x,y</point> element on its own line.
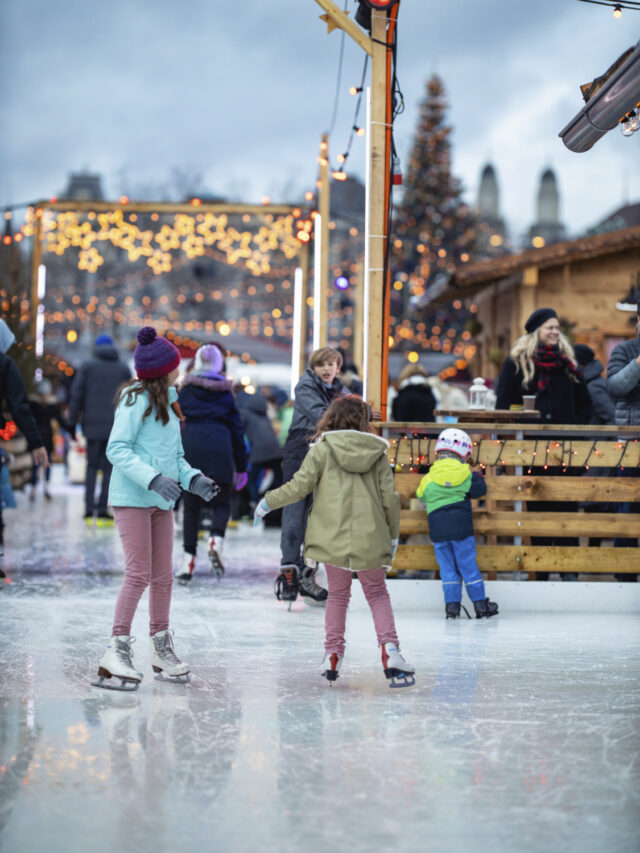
<point>521,734</point>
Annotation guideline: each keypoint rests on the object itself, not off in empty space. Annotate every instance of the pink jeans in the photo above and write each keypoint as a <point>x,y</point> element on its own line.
<point>146,534</point>
<point>377,595</point>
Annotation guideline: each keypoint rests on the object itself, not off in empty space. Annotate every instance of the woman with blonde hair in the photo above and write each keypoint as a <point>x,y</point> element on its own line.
<point>542,363</point>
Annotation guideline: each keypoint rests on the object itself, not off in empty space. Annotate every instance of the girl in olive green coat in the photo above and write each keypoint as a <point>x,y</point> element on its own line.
<point>353,526</point>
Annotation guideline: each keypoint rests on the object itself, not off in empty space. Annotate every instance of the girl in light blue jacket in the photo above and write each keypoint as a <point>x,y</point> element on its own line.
<point>145,449</point>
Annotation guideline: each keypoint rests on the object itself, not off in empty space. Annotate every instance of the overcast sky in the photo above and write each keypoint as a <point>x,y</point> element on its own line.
<point>241,91</point>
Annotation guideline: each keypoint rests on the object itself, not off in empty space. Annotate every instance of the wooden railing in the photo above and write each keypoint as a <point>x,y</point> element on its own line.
<point>589,464</point>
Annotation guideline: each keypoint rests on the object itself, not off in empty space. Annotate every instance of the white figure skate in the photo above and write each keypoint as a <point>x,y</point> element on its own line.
<point>331,667</point>
<point>216,546</point>
<point>117,663</point>
<point>396,669</point>
<point>164,660</point>
<point>187,566</point>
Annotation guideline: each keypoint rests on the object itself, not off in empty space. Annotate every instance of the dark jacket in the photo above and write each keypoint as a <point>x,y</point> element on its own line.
<point>623,382</point>
<point>603,406</point>
<point>212,437</point>
<point>93,392</point>
<point>563,402</point>
<point>446,490</point>
<point>13,398</point>
<point>263,442</point>
<point>414,401</point>
<point>44,414</point>
<point>311,400</point>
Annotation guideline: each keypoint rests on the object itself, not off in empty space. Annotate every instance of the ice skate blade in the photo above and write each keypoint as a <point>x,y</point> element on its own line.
<point>172,679</point>
<point>398,678</point>
<point>122,687</point>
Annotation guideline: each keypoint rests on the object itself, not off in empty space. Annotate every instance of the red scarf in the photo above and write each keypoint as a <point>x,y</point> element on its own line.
<point>549,360</point>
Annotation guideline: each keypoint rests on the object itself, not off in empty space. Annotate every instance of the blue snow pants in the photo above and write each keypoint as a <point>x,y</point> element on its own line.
<point>457,562</point>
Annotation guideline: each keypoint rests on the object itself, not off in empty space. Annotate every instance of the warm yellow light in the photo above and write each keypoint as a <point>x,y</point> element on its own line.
<point>72,336</point>
<point>266,199</point>
<point>413,357</point>
<point>397,285</point>
<point>538,242</point>
<point>495,240</point>
<point>617,12</point>
<point>360,131</point>
<point>339,175</point>
<point>276,312</point>
<point>464,257</point>
<point>224,329</point>
<point>391,341</point>
<point>353,90</point>
<point>308,196</point>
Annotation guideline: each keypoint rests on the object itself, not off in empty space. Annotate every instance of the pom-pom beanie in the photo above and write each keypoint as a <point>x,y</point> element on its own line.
<point>154,356</point>
<point>208,361</point>
<point>104,341</point>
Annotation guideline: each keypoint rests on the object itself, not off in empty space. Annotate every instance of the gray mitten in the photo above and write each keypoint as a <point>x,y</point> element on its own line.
<point>167,488</point>
<point>203,487</point>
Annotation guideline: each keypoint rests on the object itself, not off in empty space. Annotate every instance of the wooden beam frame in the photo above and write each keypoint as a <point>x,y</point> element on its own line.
<point>343,22</point>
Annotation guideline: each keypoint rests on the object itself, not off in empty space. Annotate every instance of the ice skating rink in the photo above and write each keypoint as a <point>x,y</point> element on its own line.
<point>521,734</point>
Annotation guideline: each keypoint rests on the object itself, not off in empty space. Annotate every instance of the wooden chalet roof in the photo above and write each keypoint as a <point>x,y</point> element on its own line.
<point>473,275</point>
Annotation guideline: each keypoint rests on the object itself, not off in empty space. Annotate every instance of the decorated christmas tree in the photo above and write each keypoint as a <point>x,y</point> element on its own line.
<point>433,231</point>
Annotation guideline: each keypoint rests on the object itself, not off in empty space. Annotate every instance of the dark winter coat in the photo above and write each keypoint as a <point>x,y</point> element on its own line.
<point>45,414</point>
<point>94,390</point>
<point>563,402</point>
<point>603,406</point>
<point>213,436</point>
<point>623,382</point>
<point>263,442</point>
<point>414,401</point>
<point>13,398</point>
<point>446,490</point>
<point>311,400</point>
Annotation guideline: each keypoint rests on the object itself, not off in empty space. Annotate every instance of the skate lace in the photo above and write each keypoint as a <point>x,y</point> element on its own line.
<point>124,653</point>
<point>164,648</point>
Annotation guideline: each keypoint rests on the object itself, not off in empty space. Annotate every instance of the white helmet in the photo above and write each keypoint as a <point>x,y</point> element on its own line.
<point>455,440</point>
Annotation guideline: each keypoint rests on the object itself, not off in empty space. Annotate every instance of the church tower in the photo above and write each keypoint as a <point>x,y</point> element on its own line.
<point>547,228</point>
<point>491,227</point>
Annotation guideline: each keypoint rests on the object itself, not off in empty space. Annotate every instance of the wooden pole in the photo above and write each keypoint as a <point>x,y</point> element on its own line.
<point>358,318</point>
<point>320,335</point>
<point>376,235</point>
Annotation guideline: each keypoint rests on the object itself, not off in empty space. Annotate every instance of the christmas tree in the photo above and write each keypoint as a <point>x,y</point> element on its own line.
<point>433,231</point>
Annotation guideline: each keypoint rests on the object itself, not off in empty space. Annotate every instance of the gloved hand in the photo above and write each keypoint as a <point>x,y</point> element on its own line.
<point>394,548</point>
<point>240,481</point>
<point>167,488</point>
<point>260,511</point>
<point>203,487</point>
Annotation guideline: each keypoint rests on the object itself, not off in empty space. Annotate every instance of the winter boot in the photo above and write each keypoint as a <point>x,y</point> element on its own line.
<point>286,584</point>
<point>309,587</point>
<point>117,663</point>
<point>396,669</point>
<point>331,666</point>
<point>216,544</point>
<point>165,660</point>
<point>485,608</point>
<point>187,565</point>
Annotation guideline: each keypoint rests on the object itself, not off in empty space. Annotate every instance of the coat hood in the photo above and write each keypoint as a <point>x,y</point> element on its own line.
<point>252,403</point>
<point>449,472</point>
<point>106,352</point>
<point>207,382</point>
<point>592,370</point>
<point>355,451</point>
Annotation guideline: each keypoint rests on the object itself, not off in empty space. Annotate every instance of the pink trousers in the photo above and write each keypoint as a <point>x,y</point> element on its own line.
<point>146,534</point>
<point>375,590</point>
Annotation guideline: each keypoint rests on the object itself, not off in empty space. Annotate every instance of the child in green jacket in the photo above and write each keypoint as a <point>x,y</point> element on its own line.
<point>352,527</point>
<point>446,490</point>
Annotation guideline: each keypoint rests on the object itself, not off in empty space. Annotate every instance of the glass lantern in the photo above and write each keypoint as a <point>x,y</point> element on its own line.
<point>478,393</point>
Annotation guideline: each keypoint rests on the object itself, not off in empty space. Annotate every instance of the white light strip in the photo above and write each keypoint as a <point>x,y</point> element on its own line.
<point>367,261</point>
<point>317,279</point>
<point>40,331</point>
<point>299,317</point>
<point>42,281</point>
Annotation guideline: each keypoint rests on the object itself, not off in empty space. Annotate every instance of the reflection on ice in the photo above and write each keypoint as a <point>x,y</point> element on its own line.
<point>521,732</point>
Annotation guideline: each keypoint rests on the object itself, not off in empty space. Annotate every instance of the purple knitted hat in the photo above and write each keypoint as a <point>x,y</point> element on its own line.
<point>208,361</point>
<point>154,357</point>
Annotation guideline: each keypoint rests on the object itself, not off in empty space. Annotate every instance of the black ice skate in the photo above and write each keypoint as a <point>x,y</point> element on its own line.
<point>308,587</point>
<point>396,669</point>
<point>330,668</point>
<point>285,585</point>
<point>452,609</point>
<point>485,608</point>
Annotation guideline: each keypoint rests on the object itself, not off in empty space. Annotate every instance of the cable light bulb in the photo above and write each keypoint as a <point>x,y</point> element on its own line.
<point>617,12</point>
<point>625,126</point>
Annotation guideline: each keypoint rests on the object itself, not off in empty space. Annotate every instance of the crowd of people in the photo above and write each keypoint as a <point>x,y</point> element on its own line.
<point>160,438</point>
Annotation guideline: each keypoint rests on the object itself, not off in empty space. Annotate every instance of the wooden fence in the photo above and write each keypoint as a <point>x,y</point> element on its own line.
<point>525,465</point>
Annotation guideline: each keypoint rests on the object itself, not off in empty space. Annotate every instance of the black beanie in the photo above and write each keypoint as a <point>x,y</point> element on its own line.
<point>540,316</point>
<point>584,354</point>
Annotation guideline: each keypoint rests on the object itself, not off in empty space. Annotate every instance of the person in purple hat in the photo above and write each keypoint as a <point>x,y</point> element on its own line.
<point>145,449</point>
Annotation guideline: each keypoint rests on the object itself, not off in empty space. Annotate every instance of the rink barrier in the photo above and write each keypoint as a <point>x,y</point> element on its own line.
<point>590,464</point>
